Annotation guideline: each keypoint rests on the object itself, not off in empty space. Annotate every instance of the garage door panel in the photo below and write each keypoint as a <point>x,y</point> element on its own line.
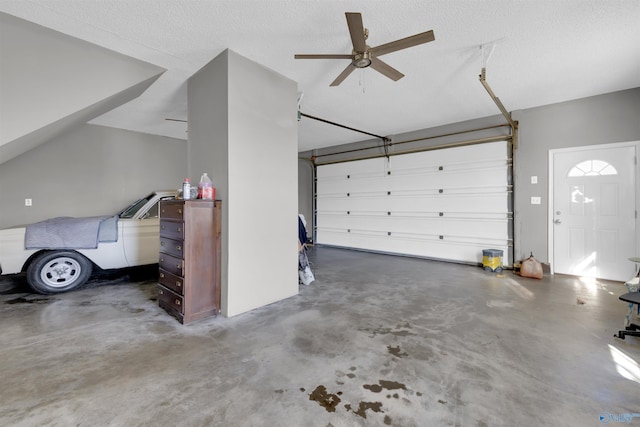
<point>339,169</point>
<point>412,202</point>
<point>347,222</point>
<point>360,169</point>
<point>469,154</point>
<point>471,204</point>
<point>337,238</point>
<point>433,226</point>
<point>454,251</point>
<point>431,247</point>
<point>326,221</point>
<point>334,188</point>
<point>368,184</point>
<point>331,204</point>
<point>445,204</point>
<point>453,180</point>
<point>450,227</point>
<point>352,204</point>
<point>367,204</point>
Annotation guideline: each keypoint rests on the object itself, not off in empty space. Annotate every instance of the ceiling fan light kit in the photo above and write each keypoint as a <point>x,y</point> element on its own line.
<point>361,60</point>
<point>364,56</point>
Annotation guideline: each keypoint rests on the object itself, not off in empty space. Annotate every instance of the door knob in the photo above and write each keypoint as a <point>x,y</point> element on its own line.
<point>557,221</point>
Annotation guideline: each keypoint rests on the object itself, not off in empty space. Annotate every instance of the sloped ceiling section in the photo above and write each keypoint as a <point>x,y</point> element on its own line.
<point>52,82</point>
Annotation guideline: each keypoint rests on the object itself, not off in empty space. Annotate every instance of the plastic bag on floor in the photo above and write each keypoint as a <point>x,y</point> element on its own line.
<point>531,267</point>
<point>304,268</point>
<point>306,276</point>
<point>303,260</point>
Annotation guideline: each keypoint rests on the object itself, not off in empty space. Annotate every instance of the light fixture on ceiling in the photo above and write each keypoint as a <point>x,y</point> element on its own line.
<point>362,60</point>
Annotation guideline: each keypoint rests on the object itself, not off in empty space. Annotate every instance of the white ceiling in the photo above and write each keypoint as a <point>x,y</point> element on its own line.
<point>536,52</point>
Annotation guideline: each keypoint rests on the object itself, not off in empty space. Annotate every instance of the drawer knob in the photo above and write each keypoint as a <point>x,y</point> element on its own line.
<point>162,275</point>
<point>179,229</point>
<point>179,247</point>
<point>162,227</point>
<point>161,243</point>
<point>177,302</point>
<point>178,266</point>
<point>160,292</point>
<point>179,211</point>
<point>161,259</point>
<point>178,284</point>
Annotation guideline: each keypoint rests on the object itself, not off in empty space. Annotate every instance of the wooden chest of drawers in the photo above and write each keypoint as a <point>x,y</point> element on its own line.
<point>189,261</point>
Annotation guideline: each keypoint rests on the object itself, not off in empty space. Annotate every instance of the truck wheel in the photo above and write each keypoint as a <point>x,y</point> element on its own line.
<point>58,271</point>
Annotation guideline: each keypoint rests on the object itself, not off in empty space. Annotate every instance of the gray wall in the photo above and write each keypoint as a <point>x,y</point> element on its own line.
<point>603,119</point>
<point>93,170</point>
<point>608,118</point>
<point>243,132</point>
<point>208,125</point>
<point>51,83</point>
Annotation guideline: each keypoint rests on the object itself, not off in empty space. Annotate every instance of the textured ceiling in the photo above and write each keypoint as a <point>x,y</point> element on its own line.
<point>536,52</point>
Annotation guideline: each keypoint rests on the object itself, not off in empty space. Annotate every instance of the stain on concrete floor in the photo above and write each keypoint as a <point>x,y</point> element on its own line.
<point>24,300</point>
<point>363,406</point>
<point>396,351</point>
<point>327,400</point>
<point>330,401</point>
<point>399,331</point>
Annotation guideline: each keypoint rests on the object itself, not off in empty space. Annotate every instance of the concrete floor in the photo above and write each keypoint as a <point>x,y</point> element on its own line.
<point>376,341</point>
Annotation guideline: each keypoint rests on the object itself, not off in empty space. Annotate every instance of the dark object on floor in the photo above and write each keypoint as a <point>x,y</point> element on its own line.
<point>632,329</point>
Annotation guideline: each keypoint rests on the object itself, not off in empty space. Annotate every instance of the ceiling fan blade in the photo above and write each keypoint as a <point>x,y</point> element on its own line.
<point>356,30</point>
<point>343,75</point>
<point>386,69</point>
<point>323,56</point>
<point>404,43</point>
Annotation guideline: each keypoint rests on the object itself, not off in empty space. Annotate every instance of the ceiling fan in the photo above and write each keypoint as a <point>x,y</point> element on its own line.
<point>364,56</point>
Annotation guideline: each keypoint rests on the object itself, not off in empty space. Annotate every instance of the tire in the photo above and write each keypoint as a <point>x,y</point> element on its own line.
<point>58,271</point>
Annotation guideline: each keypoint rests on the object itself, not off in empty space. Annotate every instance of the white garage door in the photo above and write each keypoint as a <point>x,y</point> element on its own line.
<point>445,204</point>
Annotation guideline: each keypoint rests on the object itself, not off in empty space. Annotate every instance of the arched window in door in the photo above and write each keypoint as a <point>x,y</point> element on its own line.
<point>592,168</point>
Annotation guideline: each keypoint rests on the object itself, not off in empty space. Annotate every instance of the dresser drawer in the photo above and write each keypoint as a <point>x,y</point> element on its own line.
<point>171,281</point>
<point>172,247</point>
<point>171,264</point>
<point>172,229</point>
<point>170,299</point>
<point>172,210</point>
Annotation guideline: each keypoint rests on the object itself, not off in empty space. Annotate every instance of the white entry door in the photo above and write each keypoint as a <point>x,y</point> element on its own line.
<point>594,212</point>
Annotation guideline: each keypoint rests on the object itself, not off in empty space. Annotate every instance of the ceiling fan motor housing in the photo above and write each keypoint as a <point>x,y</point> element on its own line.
<point>362,59</point>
